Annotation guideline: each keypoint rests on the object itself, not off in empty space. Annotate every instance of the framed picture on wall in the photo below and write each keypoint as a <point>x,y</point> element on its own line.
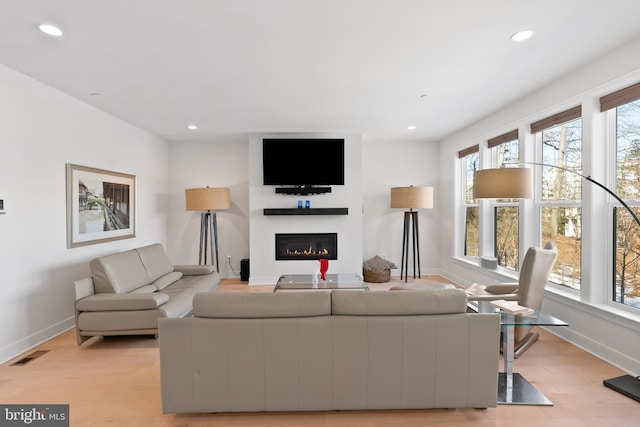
<point>100,206</point>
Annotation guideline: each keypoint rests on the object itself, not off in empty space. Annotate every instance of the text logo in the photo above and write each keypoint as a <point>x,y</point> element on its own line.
<point>34,415</point>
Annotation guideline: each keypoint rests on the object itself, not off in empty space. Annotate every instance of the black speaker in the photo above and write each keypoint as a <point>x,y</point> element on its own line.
<point>244,270</point>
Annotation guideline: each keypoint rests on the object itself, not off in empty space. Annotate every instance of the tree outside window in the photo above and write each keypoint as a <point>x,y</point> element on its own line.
<point>506,211</point>
<point>561,199</point>
<point>626,232</point>
<point>472,213</point>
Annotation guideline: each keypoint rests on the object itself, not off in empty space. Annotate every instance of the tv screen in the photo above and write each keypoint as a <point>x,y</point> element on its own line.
<point>303,162</point>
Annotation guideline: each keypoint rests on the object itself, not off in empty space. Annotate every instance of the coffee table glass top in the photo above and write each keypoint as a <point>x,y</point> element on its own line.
<point>333,281</point>
<point>539,318</point>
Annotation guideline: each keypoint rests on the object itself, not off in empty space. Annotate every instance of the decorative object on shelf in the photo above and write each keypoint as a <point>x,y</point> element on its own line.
<point>100,206</point>
<point>307,204</point>
<point>299,204</point>
<point>324,266</point>
<point>412,198</point>
<point>208,199</point>
<point>626,384</point>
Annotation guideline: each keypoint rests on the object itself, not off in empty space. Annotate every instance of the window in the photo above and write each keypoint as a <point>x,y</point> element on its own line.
<point>626,231</point>
<point>560,139</point>
<point>470,163</point>
<point>505,152</point>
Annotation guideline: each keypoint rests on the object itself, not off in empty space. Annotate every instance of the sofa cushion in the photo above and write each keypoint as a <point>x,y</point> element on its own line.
<point>122,302</point>
<point>391,303</point>
<point>155,260</point>
<point>241,305</point>
<point>167,279</point>
<point>146,289</point>
<point>119,273</point>
<point>194,270</point>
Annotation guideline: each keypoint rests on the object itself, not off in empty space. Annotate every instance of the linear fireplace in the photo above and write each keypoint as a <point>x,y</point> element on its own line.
<point>306,246</point>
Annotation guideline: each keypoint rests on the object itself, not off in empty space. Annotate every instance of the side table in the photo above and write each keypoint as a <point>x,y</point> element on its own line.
<point>513,388</point>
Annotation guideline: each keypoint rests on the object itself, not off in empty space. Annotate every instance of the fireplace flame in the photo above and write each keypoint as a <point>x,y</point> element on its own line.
<point>307,252</point>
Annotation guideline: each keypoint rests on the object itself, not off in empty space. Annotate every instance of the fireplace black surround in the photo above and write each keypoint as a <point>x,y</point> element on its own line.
<point>306,246</point>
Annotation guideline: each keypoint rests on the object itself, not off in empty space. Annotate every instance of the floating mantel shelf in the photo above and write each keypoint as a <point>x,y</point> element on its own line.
<point>308,211</point>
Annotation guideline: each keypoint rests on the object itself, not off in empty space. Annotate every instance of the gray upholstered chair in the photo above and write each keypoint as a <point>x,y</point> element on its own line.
<point>528,291</point>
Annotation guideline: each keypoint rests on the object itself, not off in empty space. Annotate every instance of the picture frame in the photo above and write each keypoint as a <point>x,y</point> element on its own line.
<point>101,205</point>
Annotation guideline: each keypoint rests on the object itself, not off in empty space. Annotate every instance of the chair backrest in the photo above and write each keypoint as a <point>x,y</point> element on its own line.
<point>534,273</point>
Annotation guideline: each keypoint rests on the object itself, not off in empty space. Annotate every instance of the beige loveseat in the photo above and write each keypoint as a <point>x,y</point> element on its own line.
<point>339,350</point>
<point>129,291</point>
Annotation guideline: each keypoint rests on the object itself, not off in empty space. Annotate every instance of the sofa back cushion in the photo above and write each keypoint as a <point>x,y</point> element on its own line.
<point>155,260</point>
<point>252,305</point>
<point>393,303</point>
<point>121,272</point>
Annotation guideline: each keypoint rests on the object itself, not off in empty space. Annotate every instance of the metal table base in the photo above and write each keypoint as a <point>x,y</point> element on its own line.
<point>519,392</point>
<point>513,388</point>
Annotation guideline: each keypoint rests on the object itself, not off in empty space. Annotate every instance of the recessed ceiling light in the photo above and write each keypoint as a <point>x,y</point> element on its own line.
<point>51,30</point>
<point>411,127</point>
<point>522,35</point>
<point>192,127</point>
<point>96,95</point>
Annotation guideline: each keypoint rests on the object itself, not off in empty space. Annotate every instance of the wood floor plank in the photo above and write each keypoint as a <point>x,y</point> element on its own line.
<point>116,382</point>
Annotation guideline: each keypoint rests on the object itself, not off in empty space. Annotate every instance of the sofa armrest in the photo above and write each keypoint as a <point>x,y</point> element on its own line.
<point>83,288</point>
<point>122,302</point>
<point>194,270</point>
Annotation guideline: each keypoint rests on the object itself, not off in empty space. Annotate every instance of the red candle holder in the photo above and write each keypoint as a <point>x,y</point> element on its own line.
<point>324,266</point>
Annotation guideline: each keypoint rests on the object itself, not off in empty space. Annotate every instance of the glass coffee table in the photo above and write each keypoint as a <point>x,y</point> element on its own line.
<point>297,282</point>
<point>513,388</point>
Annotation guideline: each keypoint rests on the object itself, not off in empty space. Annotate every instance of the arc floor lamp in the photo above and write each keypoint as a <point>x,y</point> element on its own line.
<point>209,200</point>
<point>411,198</point>
<point>513,183</point>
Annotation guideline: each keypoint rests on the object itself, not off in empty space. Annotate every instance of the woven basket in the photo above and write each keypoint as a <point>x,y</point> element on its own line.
<point>377,276</point>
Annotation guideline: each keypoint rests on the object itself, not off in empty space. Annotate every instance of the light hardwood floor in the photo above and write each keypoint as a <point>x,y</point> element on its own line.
<point>116,382</point>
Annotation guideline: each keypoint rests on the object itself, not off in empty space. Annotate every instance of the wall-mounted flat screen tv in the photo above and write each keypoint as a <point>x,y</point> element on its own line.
<point>303,162</point>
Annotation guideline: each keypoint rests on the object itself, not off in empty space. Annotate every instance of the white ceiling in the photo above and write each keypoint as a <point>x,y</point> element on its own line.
<point>348,66</point>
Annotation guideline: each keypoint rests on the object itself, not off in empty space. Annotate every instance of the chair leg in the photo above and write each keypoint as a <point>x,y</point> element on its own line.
<point>526,342</point>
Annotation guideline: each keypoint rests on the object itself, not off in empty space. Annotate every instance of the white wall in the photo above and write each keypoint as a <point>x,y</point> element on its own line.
<point>372,227</point>
<point>595,325</point>
<point>389,164</point>
<point>41,130</point>
<point>264,268</point>
<point>220,163</point>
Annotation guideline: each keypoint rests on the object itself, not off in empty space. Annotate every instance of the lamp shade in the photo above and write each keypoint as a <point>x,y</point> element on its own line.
<point>502,183</point>
<point>412,197</point>
<point>207,199</point>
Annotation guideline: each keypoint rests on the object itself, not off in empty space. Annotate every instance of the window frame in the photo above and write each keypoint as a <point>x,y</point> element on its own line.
<point>540,203</point>
<point>612,204</point>
<point>495,204</point>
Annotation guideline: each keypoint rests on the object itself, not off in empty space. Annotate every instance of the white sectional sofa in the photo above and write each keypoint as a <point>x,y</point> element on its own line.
<point>129,291</point>
<point>319,350</point>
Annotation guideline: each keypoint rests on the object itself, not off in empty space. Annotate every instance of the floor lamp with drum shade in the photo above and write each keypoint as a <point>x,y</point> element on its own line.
<point>208,200</point>
<point>512,183</point>
<point>411,198</point>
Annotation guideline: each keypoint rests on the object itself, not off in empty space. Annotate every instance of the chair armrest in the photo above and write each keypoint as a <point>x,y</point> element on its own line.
<point>488,297</point>
<point>122,302</point>
<point>194,270</point>
<point>502,288</point>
